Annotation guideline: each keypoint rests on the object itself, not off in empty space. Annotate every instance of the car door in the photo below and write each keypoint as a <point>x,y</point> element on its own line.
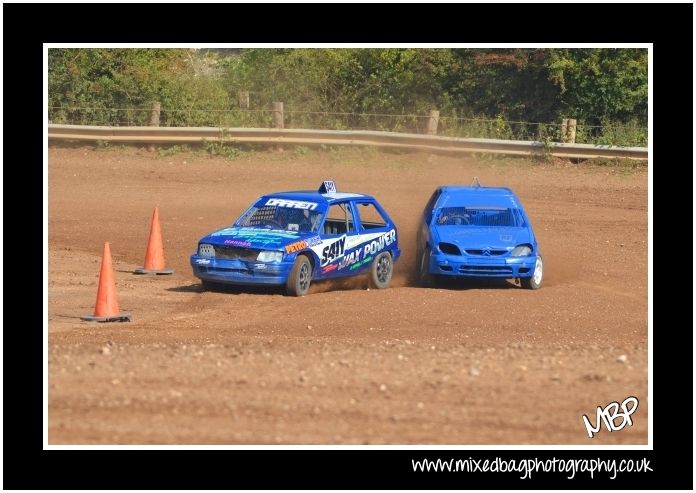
<point>376,233</point>
<point>338,233</point>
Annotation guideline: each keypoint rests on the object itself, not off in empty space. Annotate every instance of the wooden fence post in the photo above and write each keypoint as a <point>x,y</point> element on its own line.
<point>564,130</point>
<point>433,120</point>
<point>244,100</point>
<point>431,129</point>
<point>278,116</point>
<point>278,120</point>
<point>154,120</point>
<point>572,127</point>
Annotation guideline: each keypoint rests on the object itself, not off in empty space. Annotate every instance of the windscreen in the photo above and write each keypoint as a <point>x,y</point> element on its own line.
<point>279,214</point>
<point>481,216</point>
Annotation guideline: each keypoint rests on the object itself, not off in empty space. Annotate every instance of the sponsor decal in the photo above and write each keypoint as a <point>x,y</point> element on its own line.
<point>252,233</point>
<point>260,266</point>
<point>353,261</point>
<point>333,251</point>
<point>314,240</point>
<point>353,241</point>
<point>301,245</point>
<point>225,232</point>
<point>256,237</point>
<point>363,262</point>
<point>202,261</point>
<point>292,204</point>
<point>350,259</point>
<point>296,247</point>
<point>329,268</point>
<point>380,243</point>
<point>340,251</point>
<point>238,243</point>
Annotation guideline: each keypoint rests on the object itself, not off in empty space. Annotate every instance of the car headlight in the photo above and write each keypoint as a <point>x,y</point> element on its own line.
<point>269,256</point>
<point>206,250</point>
<point>449,248</point>
<point>521,251</point>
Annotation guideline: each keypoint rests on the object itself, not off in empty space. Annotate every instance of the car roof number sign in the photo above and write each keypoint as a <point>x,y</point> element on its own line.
<point>329,186</point>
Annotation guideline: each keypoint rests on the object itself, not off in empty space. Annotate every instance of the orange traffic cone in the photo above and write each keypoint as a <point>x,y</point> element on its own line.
<point>154,255</point>
<point>106,309</point>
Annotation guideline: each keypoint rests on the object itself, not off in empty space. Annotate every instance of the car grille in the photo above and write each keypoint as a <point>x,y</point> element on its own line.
<point>485,270</point>
<point>225,269</point>
<point>486,253</point>
<point>235,253</point>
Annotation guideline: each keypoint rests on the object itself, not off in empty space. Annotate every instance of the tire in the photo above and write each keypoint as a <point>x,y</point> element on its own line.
<point>381,270</point>
<point>534,282</point>
<point>300,277</point>
<point>425,278</point>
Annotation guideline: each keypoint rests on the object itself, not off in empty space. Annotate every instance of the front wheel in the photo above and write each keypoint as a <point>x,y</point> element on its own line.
<point>381,270</point>
<point>425,278</point>
<point>300,277</point>
<point>534,282</point>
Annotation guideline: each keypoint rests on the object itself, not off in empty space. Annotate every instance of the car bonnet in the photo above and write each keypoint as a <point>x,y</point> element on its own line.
<point>261,238</point>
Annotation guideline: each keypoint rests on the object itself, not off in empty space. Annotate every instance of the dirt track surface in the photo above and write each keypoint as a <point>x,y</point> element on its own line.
<point>475,363</point>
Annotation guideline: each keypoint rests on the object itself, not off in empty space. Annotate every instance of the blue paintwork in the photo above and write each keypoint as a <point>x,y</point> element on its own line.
<point>483,250</point>
<point>327,261</point>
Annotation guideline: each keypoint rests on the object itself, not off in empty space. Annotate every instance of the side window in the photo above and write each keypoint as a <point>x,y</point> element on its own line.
<point>428,211</point>
<point>339,220</point>
<point>370,217</point>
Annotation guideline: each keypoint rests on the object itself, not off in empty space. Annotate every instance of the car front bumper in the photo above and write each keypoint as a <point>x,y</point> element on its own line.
<point>463,266</point>
<point>240,272</point>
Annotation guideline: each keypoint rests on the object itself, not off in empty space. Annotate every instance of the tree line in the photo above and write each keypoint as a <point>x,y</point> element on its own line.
<point>600,87</point>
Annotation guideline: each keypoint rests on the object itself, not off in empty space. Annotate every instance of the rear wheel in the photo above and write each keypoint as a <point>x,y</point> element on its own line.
<point>534,282</point>
<point>381,270</point>
<point>425,278</point>
<point>300,277</point>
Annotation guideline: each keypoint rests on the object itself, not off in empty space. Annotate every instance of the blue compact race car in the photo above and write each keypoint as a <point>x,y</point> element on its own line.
<point>477,232</point>
<point>293,238</point>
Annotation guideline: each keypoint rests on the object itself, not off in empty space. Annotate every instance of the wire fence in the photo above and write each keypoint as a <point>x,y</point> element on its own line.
<point>452,126</point>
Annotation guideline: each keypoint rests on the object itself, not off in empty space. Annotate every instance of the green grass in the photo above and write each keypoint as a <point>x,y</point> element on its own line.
<point>172,150</point>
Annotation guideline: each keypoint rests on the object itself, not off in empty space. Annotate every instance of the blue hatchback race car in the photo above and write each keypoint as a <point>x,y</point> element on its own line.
<point>477,232</point>
<point>293,238</point>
